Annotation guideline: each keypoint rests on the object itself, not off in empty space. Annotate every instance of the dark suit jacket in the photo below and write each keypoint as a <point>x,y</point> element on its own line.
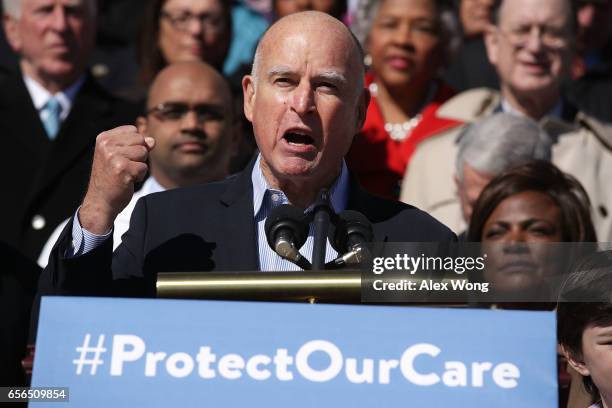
<point>43,177</point>
<point>18,276</point>
<point>205,228</point>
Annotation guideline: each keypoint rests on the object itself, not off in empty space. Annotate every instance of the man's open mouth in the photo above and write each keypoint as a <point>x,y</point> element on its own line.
<point>298,138</point>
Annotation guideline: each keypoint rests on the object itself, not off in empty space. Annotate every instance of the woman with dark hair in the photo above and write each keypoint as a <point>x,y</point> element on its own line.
<point>584,325</point>
<point>543,184</point>
<point>408,43</point>
<point>184,30</point>
<point>518,217</point>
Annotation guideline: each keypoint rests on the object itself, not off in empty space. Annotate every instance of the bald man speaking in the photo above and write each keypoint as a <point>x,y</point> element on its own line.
<point>306,100</point>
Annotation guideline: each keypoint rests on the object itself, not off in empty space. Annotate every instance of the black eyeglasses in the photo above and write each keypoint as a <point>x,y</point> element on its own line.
<point>173,111</point>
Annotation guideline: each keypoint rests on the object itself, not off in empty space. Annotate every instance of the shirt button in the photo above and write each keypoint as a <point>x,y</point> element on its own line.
<point>276,198</point>
<point>38,222</point>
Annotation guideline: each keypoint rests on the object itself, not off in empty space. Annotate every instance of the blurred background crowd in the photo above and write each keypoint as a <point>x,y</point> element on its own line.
<point>493,116</point>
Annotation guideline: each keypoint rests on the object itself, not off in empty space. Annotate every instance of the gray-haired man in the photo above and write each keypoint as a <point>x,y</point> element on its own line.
<point>50,114</point>
<point>491,146</point>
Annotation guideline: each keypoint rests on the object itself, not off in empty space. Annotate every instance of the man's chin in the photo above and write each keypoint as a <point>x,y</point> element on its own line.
<point>534,82</point>
<point>60,69</point>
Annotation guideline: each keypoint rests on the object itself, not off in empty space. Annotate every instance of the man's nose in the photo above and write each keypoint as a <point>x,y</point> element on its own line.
<point>190,120</point>
<point>59,22</point>
<point>534,40</point>
<point>302,99</point>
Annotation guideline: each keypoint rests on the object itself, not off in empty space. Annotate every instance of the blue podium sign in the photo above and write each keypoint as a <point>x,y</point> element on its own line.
<point>165,353</point>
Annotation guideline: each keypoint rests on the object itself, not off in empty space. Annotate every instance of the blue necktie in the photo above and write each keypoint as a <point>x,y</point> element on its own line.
<point>52,120</point>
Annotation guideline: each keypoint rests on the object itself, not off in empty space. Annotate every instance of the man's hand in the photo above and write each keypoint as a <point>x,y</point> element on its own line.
<point>119,162</point>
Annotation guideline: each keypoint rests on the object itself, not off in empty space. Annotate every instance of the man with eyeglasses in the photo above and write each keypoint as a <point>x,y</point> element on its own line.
<point>189,115</point>
<point>531,44</point>
<point>306,100</point>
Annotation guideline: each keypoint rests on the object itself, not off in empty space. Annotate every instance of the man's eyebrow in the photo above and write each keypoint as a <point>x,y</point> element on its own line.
<point>333,76</point>
<point>329,75</point>
<point>280,70</point>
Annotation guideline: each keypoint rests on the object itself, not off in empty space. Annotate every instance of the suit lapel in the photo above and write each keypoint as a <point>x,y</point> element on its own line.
<point>238,199</point>
<point>76,136</point>
<point>22,119</point>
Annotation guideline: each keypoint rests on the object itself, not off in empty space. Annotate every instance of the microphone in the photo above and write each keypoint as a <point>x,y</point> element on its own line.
<point>286,231</point>
<point>321,219</point>
<point>358,233</point>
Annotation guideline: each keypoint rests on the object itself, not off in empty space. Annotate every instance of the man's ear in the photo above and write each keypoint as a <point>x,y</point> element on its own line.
<point>248,90</point>
<point>141,125</point>
<point>491,39</point>
<point>576,362</point>
<point>11,31</point>
<point>362,107</point>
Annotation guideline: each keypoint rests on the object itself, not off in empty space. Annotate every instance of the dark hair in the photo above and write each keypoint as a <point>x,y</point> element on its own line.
<point>149,55</point>
<point>591,280</point>
<point>543,177</point>
<point>573,14</point>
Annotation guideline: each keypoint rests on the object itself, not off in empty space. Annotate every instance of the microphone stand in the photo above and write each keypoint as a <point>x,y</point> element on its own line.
<point>321,213</point>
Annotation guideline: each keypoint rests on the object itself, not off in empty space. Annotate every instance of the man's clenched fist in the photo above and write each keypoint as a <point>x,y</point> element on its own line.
<point>119,162</point>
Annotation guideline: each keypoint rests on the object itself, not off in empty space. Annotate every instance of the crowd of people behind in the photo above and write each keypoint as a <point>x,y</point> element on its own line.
<point>493,116</point>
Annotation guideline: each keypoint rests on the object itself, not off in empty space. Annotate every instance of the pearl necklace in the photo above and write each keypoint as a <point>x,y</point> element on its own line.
<point>400,131</point>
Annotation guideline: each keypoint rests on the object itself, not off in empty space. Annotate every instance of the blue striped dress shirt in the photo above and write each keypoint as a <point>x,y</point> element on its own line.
<point>266,198</point>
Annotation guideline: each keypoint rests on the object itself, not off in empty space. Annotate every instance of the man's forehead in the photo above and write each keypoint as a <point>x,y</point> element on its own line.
<point>304,49</point>
<point>180,88</point>
<point>535,11</point>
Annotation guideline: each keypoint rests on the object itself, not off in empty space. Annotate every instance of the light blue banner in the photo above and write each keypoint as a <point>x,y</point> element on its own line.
<point>167,353</point>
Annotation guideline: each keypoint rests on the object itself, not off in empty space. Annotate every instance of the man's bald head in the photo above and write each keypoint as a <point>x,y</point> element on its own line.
<point>188,74</point>
<point>311,21</point>
<point>190,115</point>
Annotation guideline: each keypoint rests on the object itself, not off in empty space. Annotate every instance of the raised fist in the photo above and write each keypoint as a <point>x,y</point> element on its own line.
<point>119,162</point>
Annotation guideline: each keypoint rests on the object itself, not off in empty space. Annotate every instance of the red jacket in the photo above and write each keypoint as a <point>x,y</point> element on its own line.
<point>378,161</point>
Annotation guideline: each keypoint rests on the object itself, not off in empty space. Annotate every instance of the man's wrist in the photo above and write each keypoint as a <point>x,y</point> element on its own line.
<point>95,219</point>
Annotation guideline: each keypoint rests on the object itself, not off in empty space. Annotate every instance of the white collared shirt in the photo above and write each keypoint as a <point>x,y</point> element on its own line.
<point>555,112</point>
<point>266,198</point>
<point>40,96</point>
